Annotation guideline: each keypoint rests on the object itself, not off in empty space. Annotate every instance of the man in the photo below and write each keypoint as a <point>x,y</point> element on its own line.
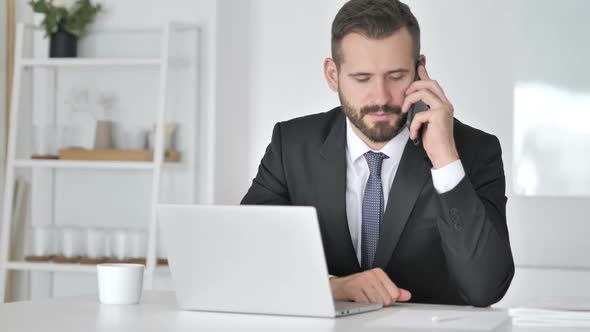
<point>399,221</point>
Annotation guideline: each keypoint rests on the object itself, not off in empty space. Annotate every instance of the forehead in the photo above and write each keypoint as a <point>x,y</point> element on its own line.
<point>359,50</point>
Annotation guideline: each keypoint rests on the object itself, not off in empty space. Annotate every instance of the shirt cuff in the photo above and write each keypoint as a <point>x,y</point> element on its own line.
<point>448,177</point>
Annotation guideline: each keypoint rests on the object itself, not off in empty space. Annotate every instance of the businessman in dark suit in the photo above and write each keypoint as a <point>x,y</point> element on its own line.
<point>399,221</point>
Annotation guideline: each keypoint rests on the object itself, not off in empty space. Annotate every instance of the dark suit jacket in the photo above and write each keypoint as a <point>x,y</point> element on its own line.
<point>450,248</point>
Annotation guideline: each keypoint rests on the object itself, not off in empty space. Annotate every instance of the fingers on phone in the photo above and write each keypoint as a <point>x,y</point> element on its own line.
<point>419,120</point>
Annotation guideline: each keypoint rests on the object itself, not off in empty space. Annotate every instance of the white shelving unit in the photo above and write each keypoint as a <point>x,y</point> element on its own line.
<point>91,62</point>
<point>50,267</point>
<point>161,63</point>
<point>124,165</point>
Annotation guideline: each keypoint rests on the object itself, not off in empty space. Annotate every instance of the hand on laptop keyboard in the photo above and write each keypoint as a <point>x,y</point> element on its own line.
<point>372,286</point>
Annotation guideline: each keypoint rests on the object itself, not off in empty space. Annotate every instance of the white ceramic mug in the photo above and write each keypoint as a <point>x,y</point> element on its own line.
<point>72,242</point>
<point>138,243</point>
<point>119,244</point>
<point>120,283</point>
<point>95,243</point>
<point>42,241</point>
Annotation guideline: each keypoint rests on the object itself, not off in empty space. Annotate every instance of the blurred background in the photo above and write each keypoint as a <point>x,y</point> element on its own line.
<point>513,68</point>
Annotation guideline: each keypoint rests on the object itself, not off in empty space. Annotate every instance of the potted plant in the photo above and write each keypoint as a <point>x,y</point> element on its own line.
<point>64,22</point>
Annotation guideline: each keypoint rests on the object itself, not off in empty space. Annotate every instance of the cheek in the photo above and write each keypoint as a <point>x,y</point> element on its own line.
<point>399,92</point>
<point>353,94</point>
<point>399,97</point>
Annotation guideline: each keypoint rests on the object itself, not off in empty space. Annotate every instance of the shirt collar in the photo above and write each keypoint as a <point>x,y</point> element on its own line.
<point>393,149</point>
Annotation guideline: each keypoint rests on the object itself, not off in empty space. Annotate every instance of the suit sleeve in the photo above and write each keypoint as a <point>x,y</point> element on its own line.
<point>474,232</point>
<point>269,186</point>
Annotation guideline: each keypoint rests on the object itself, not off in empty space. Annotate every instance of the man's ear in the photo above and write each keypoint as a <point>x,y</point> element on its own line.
<point>331,74</point>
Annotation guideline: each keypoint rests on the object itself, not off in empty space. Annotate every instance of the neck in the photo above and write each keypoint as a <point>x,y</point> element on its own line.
<point>373,145</point>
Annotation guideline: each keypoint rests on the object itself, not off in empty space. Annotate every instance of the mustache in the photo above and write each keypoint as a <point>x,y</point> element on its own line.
<point>393,109</point>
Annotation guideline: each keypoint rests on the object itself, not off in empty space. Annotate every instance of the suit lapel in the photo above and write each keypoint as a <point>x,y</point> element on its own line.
<point>412,174</point>
<point>332,194</point>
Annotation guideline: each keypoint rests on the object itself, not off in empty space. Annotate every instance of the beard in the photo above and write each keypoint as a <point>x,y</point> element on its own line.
<point>381,131</point>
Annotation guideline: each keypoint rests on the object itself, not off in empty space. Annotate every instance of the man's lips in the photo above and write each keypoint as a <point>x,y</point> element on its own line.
<point>380,115</point>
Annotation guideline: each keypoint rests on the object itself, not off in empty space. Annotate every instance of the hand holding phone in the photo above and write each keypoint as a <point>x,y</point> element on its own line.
<point>438,121</point>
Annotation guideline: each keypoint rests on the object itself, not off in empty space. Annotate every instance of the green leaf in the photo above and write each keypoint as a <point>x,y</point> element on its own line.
<point>80,16</point>
<point>75,20</point>
<point>50,22</point>
<point>39,6</point>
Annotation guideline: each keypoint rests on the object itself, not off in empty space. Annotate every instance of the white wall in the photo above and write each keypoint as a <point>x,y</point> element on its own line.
<point>290,40</point>
<point>270,59</point>
<point>232,98</point>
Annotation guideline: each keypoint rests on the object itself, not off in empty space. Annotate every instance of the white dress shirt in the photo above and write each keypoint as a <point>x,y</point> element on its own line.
<point>357,174</point>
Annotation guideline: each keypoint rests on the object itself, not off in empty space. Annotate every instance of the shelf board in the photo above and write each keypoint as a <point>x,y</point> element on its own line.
<point>64,267</point>
<point>90,62</point>
<point>50,266</point>
<point>81,164</point>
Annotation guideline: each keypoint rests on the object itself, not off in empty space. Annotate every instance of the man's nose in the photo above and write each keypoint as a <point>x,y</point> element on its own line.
<point>380,94</point>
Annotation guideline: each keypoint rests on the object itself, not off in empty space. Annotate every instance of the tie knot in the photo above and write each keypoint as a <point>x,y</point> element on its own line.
<point>374,160</point>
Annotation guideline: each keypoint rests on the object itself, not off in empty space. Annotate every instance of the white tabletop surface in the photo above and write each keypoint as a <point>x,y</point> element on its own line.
<point>158,312</point>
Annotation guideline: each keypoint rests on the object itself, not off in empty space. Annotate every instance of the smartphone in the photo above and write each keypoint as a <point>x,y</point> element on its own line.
<point>420,106</point>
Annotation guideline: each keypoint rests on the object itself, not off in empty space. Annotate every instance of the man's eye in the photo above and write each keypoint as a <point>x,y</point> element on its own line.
<point>396,78</point>
<point>362,79</point>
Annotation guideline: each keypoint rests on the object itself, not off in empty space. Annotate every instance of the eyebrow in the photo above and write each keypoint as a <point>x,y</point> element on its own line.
<point>394,71</point>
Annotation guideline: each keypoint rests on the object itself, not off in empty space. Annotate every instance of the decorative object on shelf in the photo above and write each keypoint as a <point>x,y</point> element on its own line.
<point>116,155</point>
<point>88,121</point>
<point>118,247</point>
<point>170,130</point>
<point>137,239</point>
<point>71,245</point>
<point>94,245</point>
<point>96,249</point>
<point>128,137</point>
<point>103,136</point>
<point>65,21</point>
<point>42,244</point>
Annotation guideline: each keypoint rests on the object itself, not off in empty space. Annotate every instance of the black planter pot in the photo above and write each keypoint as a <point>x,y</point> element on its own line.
<point>63,44</point>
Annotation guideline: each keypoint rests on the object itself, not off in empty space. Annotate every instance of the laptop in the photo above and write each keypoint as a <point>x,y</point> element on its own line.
<point>249,259</point>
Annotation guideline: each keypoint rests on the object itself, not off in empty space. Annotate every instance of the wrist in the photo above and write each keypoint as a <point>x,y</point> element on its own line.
<point>450,156</point>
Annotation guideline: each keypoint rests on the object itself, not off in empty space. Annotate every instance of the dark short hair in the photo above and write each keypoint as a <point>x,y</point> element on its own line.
<point>375,19</point>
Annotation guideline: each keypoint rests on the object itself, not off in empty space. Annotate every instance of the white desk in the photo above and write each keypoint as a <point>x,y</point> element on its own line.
<point>157,312</point>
